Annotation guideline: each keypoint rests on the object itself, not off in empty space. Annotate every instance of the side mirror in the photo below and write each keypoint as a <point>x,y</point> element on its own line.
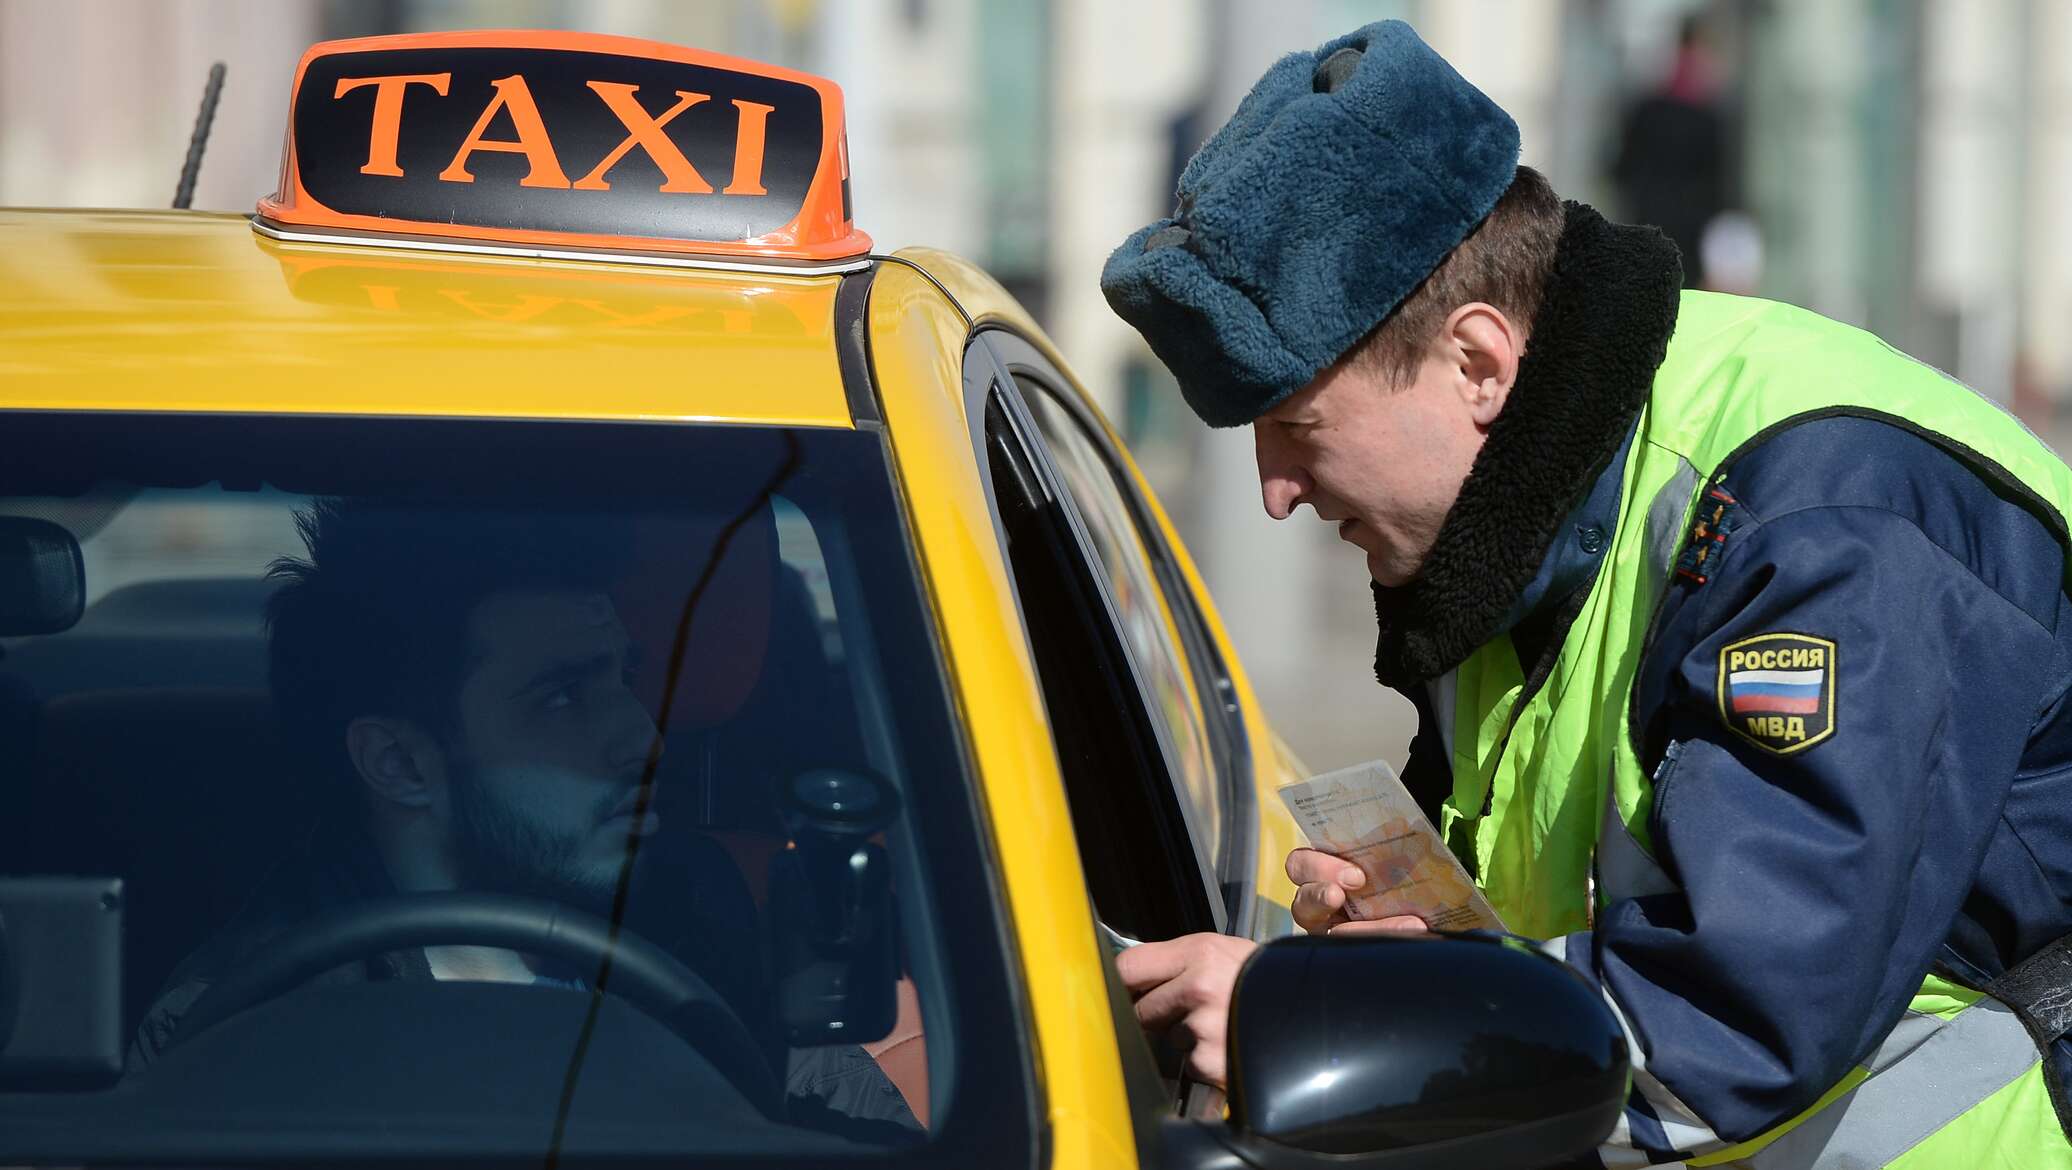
<point>1419,1050</point>
<point>42,577</point>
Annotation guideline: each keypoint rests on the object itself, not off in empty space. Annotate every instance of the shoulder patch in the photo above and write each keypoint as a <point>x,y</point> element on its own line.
<point>1777,691</point>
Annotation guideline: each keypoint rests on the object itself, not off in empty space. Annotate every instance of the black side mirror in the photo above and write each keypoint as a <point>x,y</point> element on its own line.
<point>1419,1051</point>
<point>42,577</point>
<point>837,952</point>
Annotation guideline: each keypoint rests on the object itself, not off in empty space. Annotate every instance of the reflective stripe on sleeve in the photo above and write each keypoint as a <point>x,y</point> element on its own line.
<point>1928,1071</point>
<point>1926,1074</point>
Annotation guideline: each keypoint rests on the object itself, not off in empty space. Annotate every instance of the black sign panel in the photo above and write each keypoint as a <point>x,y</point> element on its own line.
<point>556,140</point>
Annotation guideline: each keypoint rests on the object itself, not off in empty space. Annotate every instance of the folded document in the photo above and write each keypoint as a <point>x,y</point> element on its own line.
<point>1365,815</point>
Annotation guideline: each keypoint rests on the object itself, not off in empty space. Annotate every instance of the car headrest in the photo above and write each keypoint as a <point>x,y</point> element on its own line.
<point>729,636</point>
<point>136,764</point>
<point>180,791</point>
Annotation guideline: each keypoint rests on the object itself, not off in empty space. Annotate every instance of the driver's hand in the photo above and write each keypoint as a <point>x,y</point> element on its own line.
<point>1322,882</point>
<point>1183,987</point>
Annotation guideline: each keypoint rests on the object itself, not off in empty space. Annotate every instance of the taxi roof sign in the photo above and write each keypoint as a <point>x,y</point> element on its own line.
<point>552,141</point>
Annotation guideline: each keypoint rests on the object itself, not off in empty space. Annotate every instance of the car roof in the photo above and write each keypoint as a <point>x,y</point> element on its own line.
<point>190,311</point>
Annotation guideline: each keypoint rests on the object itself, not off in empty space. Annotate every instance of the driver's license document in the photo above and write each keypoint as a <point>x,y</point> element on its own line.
<point>1365,815</point>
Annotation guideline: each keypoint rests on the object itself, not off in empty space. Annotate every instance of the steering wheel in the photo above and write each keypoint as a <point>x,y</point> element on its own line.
<point>647,976</point>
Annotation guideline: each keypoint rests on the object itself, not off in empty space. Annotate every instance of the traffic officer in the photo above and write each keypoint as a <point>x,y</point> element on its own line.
<point>1740,642</point>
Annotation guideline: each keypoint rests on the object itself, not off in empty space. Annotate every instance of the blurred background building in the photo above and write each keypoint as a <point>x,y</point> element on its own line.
<point>1899,164</point>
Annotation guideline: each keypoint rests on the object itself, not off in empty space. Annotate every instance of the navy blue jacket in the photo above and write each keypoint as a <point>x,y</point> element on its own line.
<point>1933,827</point>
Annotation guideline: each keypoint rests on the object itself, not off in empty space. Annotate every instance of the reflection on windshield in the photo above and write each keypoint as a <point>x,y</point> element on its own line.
<point>493,759</point>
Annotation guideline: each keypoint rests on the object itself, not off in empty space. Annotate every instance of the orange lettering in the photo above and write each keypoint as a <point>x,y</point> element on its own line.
<point>513,95</point>
<point>646,132</point>
<point>748,150</point>
<point>656,315</point>
<point>388,114</point>
<point>525,308</point>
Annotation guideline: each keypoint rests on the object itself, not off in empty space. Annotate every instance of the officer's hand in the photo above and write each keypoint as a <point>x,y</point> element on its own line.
<point>1183,987</point>
<point>1321,882</point>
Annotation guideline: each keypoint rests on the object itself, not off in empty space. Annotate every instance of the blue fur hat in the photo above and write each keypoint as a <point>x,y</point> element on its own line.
<point>1344,178</point>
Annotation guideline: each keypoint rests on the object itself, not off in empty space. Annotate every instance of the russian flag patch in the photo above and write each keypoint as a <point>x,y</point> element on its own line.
<point>1777,691</point>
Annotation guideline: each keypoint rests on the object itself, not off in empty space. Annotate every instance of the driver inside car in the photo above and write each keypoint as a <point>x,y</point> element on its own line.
<point>465,711</point>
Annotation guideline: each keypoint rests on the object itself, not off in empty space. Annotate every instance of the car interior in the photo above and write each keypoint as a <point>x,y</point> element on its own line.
<point>142,751</point>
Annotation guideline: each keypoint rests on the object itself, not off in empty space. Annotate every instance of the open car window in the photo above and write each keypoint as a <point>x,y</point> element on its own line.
<point>481,789</point>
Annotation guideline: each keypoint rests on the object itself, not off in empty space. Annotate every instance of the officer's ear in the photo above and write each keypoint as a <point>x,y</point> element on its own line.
<point>1483,348</point>
<point>396,760</point>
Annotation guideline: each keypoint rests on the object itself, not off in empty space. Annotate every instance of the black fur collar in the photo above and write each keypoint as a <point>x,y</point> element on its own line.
<point>1602,329</point>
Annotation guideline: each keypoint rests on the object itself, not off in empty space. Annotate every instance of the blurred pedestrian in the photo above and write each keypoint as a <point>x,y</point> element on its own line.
<point>1740,642</point>
<point>1673,167</point>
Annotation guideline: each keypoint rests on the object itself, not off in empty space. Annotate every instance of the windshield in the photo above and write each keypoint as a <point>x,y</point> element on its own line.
<point>502,790</point>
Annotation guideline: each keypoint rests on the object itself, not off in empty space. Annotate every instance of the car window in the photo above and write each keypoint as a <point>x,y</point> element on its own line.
<point>1169,641</point>
<point>1144,873</point>
<point>261,678</point>
<point>1155,620</point>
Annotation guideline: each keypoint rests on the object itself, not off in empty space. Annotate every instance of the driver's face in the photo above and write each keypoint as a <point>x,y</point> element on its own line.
<point>549,749</point>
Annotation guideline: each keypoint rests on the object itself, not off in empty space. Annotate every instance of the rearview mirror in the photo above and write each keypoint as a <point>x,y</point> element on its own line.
<point>1420,1050</point>
<point>42,577</point>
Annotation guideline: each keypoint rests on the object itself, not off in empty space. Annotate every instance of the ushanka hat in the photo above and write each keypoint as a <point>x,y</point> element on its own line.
<point>1344,178</point>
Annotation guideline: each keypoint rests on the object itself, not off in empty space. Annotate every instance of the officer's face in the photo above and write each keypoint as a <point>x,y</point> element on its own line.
<point>1385,462</point>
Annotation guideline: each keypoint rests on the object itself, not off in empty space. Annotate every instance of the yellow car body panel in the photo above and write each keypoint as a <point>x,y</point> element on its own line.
<point>917,347</point>
<point>185,311</point>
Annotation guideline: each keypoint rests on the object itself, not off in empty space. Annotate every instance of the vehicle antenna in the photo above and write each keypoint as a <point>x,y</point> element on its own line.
<point>184,196</point>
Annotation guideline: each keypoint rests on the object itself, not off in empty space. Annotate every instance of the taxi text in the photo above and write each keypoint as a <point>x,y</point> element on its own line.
<point>514,97</point>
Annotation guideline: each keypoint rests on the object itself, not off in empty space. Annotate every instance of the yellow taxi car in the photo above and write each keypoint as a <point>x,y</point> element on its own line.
<point>540,645</point>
